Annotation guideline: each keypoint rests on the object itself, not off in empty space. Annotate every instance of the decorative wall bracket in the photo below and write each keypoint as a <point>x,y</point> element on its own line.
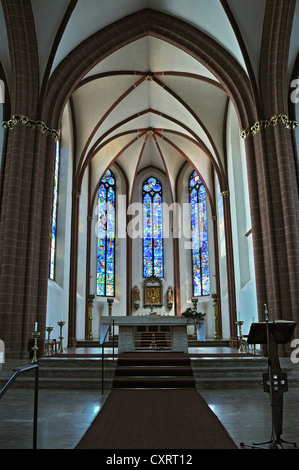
<point>20,118</point>
<point>272,122</point>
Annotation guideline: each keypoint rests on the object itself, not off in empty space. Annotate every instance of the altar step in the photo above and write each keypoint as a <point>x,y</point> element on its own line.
<point>78,373</point>
<point>224,373</point>
<point>208,372</point>
<point>153,370</point>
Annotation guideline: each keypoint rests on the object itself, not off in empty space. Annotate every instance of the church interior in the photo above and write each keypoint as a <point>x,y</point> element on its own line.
<point>149,189</point>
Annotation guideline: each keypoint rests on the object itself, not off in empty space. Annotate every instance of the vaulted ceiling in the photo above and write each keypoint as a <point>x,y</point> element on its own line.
<point>150,103</point>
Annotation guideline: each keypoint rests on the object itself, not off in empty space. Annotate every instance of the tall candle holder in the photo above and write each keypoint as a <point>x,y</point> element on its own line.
<point>61,324</point>
<point>215,298</point>
<point>89,326</point>
<point>241,347</point>
<point>35,335</point>
<point>49,329</point>
<point>110,301</point>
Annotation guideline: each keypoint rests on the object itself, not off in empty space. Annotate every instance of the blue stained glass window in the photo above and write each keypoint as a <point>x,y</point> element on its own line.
<point>54,215</point>
<point>199,231</point>
<point>106,236</point>
<point>153,264</point>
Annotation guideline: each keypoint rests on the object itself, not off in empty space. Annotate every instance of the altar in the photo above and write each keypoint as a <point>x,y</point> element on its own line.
<point>127,330</point>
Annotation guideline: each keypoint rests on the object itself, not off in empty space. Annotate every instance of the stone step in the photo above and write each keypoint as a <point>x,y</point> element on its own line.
<point>153,382</point>
<point>228,383</point>
<point>225,362</point>
<point>151,371</point>
<point>70,362</point>
<point>85,373</point>
<point>65,383</point>
<point>233,372</point>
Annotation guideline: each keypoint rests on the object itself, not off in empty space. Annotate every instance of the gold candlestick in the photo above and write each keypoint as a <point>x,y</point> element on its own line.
<point>49,329</point>
<point>35,335</point>
<point>61,324</point>
<point>215,298</point>
<point>110,301</point>
<point>195,301</point>
<point>89,325</point>
<point>241,347</point>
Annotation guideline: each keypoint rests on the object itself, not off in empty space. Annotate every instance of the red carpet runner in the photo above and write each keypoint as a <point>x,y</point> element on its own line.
<point>152,418</point>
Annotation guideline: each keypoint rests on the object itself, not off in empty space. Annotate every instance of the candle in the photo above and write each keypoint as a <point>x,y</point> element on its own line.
<point>61,318</point>
<point>35,327</point>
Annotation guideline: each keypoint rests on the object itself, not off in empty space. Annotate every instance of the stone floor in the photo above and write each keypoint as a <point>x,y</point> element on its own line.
<point>65,415</point>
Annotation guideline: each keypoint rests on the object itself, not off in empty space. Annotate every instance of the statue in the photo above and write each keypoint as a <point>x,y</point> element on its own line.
<point>136,297</point>
<point>169,297</point>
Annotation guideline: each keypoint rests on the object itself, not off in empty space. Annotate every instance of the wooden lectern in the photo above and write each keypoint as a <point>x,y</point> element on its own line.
<point>275,381</point>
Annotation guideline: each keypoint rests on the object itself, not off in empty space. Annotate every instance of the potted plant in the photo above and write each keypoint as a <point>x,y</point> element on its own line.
<point>192,313</point>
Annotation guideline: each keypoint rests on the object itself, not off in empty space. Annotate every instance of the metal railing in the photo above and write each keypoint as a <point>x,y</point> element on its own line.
<point>103,349</point>
<point>35,411</point>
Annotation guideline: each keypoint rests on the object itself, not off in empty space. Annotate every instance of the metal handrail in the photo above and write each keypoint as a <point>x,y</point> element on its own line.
<point>11,381</point>
<point>103,347</point>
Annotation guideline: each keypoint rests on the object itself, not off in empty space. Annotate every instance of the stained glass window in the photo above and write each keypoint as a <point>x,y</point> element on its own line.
<point>199,231</point>
<point>54,215</point>
<point>153,265</point>
<point>106,236</point>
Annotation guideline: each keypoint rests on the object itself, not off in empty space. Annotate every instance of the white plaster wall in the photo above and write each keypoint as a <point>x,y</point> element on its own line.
<point>222,264</point>
<point>58,290</point>
<point>297,118</point>
<point>82,247</point>
<point>241,224</point>
<point>1,129</point>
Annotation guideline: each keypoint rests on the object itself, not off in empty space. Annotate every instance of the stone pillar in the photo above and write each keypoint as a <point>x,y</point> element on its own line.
<point>23,219</point>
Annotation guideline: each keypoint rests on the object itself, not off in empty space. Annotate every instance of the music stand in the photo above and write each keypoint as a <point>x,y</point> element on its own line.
<point>274,381</point>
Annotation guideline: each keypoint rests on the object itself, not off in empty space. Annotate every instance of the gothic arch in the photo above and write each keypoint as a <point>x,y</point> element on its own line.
<point>91,51</point>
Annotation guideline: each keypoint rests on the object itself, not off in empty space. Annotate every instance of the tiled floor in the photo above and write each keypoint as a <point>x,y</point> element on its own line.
<point>65,415</point>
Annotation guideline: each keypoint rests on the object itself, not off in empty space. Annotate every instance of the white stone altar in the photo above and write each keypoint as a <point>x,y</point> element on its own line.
<point>126,336</point>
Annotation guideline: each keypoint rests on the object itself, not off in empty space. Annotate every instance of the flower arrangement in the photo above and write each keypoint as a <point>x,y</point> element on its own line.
<point>199,317</point>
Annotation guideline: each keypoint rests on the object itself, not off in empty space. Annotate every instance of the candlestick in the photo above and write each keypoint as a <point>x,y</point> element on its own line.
<point>35,335</point>
<point>241,346</point>
<point>60,324</point>
<point>49,329</point>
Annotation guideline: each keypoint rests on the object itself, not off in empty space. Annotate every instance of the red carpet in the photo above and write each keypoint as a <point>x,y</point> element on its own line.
<point>163,415</point>
<point>156,419</point>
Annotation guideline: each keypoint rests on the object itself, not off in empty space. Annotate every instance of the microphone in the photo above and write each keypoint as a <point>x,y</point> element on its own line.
<point>266,313</point>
